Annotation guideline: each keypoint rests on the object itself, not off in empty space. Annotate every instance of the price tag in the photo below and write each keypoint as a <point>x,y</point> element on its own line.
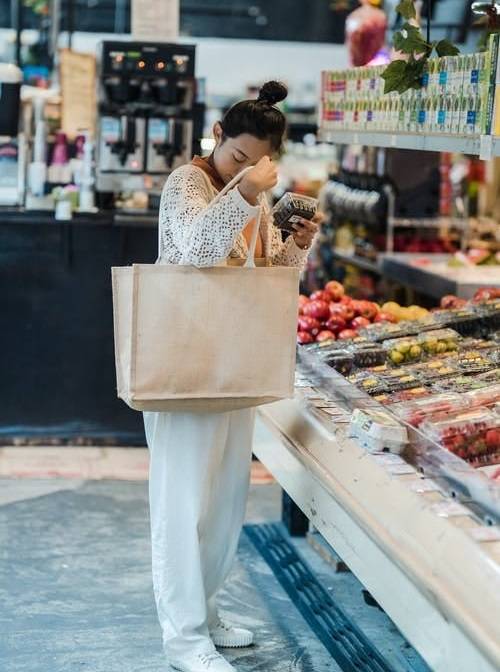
<point>394,140</point>
<point>485,533</point>
<point>388,459</point>
<point>424,485</point>
<point>355,139</point>
<point>400,469</point>
<point>449,509</point>
<point>486,147</point>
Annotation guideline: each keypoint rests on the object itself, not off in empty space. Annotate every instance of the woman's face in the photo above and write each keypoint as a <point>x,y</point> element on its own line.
<point>232,155</point>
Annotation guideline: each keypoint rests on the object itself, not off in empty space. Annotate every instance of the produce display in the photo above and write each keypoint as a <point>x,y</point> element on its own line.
<point>439,373</point>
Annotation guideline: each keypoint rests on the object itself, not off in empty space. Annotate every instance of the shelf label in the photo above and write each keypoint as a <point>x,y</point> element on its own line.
<point>448,509</point>
<point>485,533</point>
<point>486,147</point>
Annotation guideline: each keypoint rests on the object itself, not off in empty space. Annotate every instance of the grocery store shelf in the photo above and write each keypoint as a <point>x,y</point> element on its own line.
<point>356,260</point>
<point>420,141</point>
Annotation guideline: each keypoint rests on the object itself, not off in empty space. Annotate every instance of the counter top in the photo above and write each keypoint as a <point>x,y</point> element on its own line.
<point>436,278</point>
<point>146,218</point>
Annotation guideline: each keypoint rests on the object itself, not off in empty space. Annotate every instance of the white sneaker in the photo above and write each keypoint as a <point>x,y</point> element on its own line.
<point>229,636</point>
<point>213,662</point>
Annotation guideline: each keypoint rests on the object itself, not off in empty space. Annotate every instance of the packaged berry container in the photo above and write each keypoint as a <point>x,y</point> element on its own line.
<point>470,434</point>
<point>400,379</point>
<point>410,395</point>
<point>340,360</point>
<point>436,369</point>
<point>462,320</point>
<point>368,382</point>
<point>368,354</point>
<point>489,377</point>
<point>485,396</point>
<point>473,362</point>
<point>489,313</point>
<point>482,344</point>
<point>382,331</point>
<point>291,208</point>
<point>416,411</point>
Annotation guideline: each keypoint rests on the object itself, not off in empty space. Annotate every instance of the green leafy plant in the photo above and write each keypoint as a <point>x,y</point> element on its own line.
<point>404,74</point>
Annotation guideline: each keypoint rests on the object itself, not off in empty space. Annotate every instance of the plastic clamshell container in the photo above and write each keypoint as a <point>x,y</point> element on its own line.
<point>415,412</point>
<point>368,382</point>
<point>427,344</point>
<point>473,362</point>
<point>340,360</point>
<point>378,430</point>
<point>367,354</point>
<point>467,423</point>
<point>483,397</point>
<point>291,208</point>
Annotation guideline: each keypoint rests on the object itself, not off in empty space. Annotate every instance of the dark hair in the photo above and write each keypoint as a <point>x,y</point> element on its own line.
<point>259,117</point>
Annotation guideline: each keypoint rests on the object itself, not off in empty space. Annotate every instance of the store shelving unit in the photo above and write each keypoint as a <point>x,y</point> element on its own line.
<point>356,260</point>
<point>486,146</point>
<point>408,529</point>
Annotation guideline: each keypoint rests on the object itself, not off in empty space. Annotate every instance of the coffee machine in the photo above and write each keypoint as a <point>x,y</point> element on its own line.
<point>12,146</point>
<point>147,100</point>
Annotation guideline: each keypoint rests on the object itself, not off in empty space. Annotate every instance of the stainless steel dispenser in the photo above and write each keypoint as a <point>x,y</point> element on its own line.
<point>146,109</point>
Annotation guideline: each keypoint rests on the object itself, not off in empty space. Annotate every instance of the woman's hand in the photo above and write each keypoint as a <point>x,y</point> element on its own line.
<point>306,229</point>
<point>262,177</point>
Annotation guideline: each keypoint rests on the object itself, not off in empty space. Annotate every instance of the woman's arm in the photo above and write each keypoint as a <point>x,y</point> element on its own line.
<point>203,234</point>
<point>291,253</point>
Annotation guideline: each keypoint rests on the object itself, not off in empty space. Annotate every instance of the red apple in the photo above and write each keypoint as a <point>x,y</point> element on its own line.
<point>303,300</point>
<point>346,300</point>
<point>304,337</point>
<point>448,301</point>
<point>320,310</point>
<point>486,293</point>
<point>384,317</point>
<point>347,333</point>
<point>320,295</point>
<point>336,323</point>
<point>346,311</point>
<point>360,322</point>
<point>335,289</point>
<point>367,309</point>
<point>306,323</point>
<point>325,336</point>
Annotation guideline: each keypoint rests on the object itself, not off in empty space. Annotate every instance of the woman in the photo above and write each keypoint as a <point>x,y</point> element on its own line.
<point>200,462</point>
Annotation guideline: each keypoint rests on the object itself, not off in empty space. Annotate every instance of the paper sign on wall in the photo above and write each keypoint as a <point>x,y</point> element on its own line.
<point>155,20</point>
<point>78,92</point>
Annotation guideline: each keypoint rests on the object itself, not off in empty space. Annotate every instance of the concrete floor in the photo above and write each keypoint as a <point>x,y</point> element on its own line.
<point>76,594</point>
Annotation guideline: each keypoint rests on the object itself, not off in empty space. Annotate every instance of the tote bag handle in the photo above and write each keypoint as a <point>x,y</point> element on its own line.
<point>250,261</point>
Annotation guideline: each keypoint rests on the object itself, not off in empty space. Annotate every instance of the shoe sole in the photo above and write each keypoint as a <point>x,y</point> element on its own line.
<point>230,643</point>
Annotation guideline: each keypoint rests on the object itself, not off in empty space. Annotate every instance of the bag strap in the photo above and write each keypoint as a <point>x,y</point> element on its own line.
<point>250,261</point>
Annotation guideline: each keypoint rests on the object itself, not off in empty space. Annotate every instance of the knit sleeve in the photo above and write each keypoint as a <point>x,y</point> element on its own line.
<point>286,253</point>
<point>201,233</point>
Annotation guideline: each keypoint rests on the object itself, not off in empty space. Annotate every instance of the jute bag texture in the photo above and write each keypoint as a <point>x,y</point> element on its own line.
<point>205,339</point>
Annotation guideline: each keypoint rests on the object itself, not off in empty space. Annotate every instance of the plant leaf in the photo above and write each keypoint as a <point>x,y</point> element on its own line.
<point>410,40</point>
<point>446,48</point>
<point>407,9</point>
<point>394,75</point>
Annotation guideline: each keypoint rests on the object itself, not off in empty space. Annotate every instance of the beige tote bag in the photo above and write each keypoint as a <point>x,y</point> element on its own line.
<point>205,339</point>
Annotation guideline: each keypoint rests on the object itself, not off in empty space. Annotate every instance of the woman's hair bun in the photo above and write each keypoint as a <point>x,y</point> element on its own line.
<point>272,93</point>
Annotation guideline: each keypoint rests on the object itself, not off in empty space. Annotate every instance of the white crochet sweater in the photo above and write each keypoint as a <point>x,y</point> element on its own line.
<point>196,232</point>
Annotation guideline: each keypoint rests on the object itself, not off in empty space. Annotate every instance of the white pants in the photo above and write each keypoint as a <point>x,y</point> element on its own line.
<point>198,488</point>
